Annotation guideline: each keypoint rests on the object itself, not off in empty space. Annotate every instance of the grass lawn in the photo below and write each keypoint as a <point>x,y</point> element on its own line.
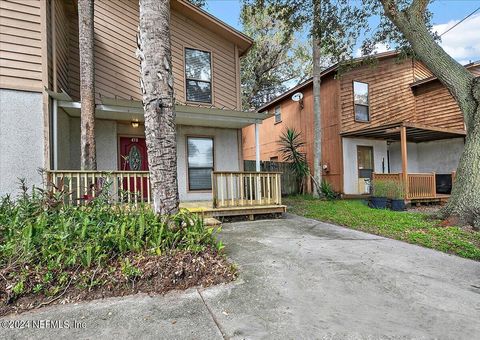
<point>413,227</point>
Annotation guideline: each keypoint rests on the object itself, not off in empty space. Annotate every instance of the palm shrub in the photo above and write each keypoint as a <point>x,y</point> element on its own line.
<point>291,147</point>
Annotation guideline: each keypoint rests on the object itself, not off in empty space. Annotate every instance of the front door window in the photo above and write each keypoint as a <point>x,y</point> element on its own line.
<point>365,168</point>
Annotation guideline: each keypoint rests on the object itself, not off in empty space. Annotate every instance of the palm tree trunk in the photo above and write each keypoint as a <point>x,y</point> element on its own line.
<point>154,52</point>
<point>464,201</point>
<point>317,111</point>
<point>88,159</point>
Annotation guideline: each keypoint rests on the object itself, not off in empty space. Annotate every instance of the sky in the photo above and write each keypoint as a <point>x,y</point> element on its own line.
<point>462,42</point>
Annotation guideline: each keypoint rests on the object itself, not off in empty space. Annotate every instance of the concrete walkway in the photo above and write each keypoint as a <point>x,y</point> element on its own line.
<point>300,279</point>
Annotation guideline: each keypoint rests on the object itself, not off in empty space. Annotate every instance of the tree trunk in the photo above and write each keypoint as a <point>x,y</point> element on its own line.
<point>317,111</point>
<point>88,158</point>
<point>464,201</point>
<point>154,52</point>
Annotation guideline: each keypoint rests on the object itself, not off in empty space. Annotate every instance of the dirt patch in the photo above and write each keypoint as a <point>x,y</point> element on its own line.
<point>430,209</point>
<point>130,275</point>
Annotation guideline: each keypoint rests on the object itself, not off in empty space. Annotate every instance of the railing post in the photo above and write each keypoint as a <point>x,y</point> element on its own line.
<point>434,189</point>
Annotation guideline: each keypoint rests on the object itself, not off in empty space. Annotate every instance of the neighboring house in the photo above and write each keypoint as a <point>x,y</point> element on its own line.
<point>40,104</point>
<point>367,112</point>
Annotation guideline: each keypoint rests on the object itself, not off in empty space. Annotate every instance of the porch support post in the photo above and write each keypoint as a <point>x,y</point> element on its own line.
<point>257,147</point>
<point>403,143</point>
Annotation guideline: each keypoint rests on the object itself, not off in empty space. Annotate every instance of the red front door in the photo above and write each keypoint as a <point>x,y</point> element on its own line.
<point>133,157</point>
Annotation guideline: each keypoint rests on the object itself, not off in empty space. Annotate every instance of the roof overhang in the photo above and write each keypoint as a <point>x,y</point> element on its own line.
<point>214,24</point>
<point>433,78</point>
<point>130,110</point>
<point>415,132</point>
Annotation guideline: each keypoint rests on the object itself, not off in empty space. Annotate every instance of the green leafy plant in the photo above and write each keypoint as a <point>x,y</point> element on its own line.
<point>291,147</point>
<point>54,240</point>
<point>380,188</point>
<point>396,190</point>
<point>327,191</point>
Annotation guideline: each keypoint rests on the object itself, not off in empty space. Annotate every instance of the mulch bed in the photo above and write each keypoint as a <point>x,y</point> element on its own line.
<point>153,274</point>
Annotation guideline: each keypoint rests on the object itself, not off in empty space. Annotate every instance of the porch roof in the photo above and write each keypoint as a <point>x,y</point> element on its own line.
<point>132,110</point>
<point>415,132</point>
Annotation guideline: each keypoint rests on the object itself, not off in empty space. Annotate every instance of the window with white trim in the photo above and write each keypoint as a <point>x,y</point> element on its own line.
<point>200,163</point>
<point>198,75</point>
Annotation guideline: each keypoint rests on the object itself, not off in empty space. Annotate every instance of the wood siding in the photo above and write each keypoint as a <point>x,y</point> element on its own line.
<point>420,71</point>
<point>62,12</point>
<point>435,106</point>
<point>331,128</point>
<point>294,117</point>
<point>116,64</point>
<point>391,100</point>
<point>20,45</point>
<point>390,96</point>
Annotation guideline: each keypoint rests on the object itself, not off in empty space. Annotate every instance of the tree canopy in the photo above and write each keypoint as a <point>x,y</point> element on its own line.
<point>278,58</point>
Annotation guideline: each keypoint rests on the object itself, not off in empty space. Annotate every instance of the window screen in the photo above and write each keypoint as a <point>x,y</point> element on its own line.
<point>360,94</point>
<point>198,75</point>
<point>278,115</point>
<point>200,163</point>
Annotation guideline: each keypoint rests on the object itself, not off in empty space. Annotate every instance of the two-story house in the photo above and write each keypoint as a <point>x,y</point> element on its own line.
<point>40,104</point>
<point>391,118</point>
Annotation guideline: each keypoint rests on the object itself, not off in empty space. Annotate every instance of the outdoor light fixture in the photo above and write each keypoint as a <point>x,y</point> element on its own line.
<point>135,124</point>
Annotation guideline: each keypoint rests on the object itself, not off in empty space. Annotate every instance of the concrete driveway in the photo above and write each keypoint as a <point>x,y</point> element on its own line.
<point>299,279</point>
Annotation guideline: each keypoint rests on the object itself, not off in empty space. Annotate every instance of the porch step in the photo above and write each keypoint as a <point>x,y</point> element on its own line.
<point>211,222</point>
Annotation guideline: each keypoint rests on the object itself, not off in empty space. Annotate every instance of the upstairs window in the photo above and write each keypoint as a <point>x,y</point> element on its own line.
<point>198,76</point>
<point>360,95</point>
<point>278,114</point>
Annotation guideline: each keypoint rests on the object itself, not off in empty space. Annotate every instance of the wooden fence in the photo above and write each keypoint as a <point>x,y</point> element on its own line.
<point>243,189</point>
<point>289,180</point>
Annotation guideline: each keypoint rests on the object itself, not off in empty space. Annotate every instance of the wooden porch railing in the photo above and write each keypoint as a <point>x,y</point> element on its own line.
<point>420,185</point>
<point>243,189</point>
<point>81,186</point>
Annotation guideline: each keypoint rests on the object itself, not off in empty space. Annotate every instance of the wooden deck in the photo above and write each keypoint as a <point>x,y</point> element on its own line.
<point>205,208</point>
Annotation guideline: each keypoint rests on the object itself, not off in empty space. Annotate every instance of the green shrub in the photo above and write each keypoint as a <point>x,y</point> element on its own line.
<point>58,236</point>
<point>380,188</point>
<point>327,190</point>
<point>396,190</point>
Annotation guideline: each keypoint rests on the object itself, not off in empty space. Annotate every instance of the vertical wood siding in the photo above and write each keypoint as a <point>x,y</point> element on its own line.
<point>20,45</point>
<point>331,128</point>
<point>294,117</point>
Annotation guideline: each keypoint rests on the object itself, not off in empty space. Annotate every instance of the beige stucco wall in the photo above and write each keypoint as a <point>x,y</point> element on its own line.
<point>226,148</point>
<point>350,165</point>
<point>21,139</point>
<point>440,156</point>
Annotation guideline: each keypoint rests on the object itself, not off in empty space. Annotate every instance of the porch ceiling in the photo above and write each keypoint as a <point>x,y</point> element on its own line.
<point>415,132</point>
<point>129,110</point>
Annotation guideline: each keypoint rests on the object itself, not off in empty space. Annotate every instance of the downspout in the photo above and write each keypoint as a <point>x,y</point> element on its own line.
<point>257,147</point>
<point>55,134</point>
